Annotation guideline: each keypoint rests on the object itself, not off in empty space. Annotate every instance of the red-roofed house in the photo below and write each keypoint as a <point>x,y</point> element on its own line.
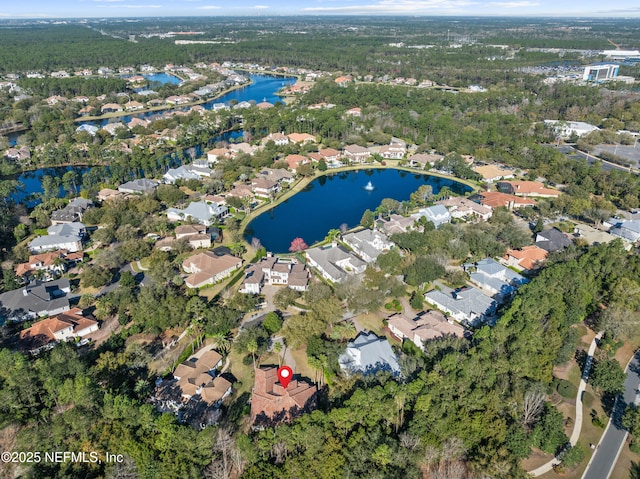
<point>302,138</point>
<point>529,257</point>
<point>272,404</point>
<point>65,326</point>
<point>495,199</point>
<point>294,161</point>
<point>527,188</point>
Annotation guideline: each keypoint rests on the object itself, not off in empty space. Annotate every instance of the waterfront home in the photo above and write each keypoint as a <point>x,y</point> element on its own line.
<point>437,214</point>
<point>110,108</point>
<point>139,186</point>
<point>491,173</point>
<point>356,153</point>
<point>263,188</point>
<point>368,244</point>
<point>72,212</point>
<point>467,210</point>
<point>301,138</point>
<point>196,235</point>
<point>294,161</point>
<point>495,199</point>
<point>421,160</point>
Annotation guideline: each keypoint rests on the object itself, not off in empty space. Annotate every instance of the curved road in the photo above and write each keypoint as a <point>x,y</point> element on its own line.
<point>613,440</point>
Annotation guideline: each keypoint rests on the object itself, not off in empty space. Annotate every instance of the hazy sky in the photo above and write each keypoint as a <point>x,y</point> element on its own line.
<point>138,8</point>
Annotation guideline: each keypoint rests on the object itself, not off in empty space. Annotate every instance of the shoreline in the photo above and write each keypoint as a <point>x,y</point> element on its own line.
<point>305,181</point>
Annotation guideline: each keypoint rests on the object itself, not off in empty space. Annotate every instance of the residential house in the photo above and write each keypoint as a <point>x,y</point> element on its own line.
<point>491,173</point>
<point>108,194</point>
<point>528,257</point>
<point>279,175</point>
<point>526,189</point>
<point>51,264</point>
<point>294,161</point>
<point>22,154</point>
<point>264,188</point>
<point>368,244</point>
<point>274,271</point>
<point>494,277</point>
<point>66,236</point>
<point>209,268</point>
<point>280,139</point>
<point>110,108</point>
<point>196,235</point>
<point>272,403</point>
<point>139,186</point>
<point>72,212</point>
<point>201,211</point>
<point>495,199</point>
<point>356,154</point>
<point>36,299</point>
<point>196,378</point>
<point>467,210</point>
<point>133,106</point>
<point>240,190</point>
<point>421,160</point>
<point>369,354</point>
<point>91,129</point>
<point>217,154</point>
<point>334,263</point>
<point>181,173</point>
<point>626,229</point>
<point>112,128</point>
<point>437,214</point>
<point>397,224</point>
<point>552,240</point>
<point>263,105</point>
<point>243,147</point>
<point>357,112</point>
<point>395,150</point>
<point>46,333</point>
<point>55,99</point>
<point>301,138</point>
<point>343,81</point>
<point>467,305</point>
<point>426,326</point>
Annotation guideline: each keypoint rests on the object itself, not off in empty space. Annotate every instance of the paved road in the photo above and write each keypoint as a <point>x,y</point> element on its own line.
<point>613,440</point>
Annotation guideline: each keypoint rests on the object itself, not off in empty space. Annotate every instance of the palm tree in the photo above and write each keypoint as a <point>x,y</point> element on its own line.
<point>332,235</point>
<point>277,348</point>
<point>222,342</point>
<point>252,347</point>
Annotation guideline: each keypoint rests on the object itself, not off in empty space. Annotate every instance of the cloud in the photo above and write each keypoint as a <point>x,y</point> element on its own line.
<point>108,1</point>
<point>396,7</point>
<point>260,7</point>
<point>521,4</point>
<point>209,7</point>
<point>137,6</point>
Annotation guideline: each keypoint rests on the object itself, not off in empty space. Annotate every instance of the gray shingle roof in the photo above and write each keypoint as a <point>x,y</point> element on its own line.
<point>368,354</point>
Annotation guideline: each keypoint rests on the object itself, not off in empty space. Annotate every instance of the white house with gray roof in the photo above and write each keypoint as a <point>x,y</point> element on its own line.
<point>626,229</point>
<point>369,354</point>
<point>368,244</point>
<point>200,211</point>
<point>334,263</point>
<point>180,173</point>
<point>494,277</point>
<point>467,305</point>
<point>437,214</point>
<point>139,186</point>
<point>66,236</point>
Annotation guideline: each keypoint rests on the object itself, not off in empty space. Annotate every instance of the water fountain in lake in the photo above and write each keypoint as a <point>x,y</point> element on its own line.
<point>369,187</point>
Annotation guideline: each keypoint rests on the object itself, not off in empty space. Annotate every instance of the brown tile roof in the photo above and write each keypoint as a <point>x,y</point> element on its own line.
<point>43,332</point>
<point>214,390</point>
<point>495,199</point>
<point>270,401</point>
<point>528,257</point>
<point>189,230</point>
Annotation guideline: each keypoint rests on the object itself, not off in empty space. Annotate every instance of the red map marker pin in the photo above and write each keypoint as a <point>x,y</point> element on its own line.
<point>285,373</point>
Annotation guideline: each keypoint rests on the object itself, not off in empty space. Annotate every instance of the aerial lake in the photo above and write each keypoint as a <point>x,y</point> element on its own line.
<point>331,200</point>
